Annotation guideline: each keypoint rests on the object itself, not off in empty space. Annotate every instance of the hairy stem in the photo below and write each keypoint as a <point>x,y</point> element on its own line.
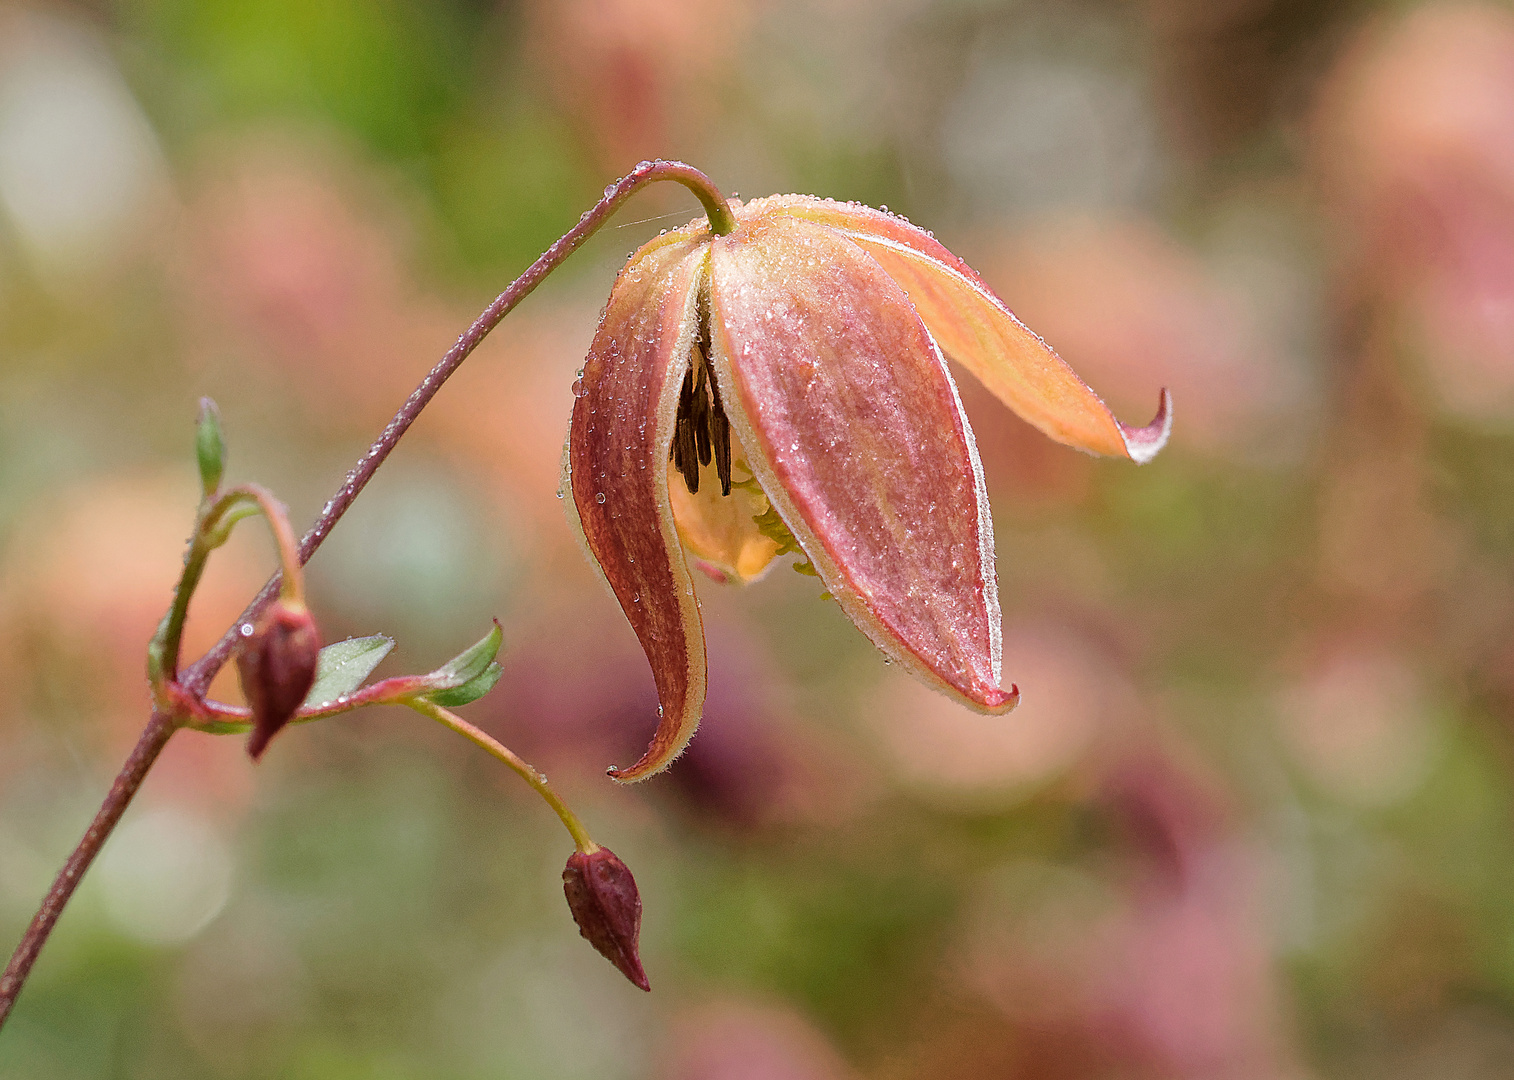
<point>211,528</point>
<point>525,771</point>
<point>196,678</point>
<point>148,747</point>
<point>276,514</point>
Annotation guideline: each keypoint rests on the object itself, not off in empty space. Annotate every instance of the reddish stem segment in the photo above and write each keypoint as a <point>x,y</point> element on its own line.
<point>148,747</point>
<point>196,678</point>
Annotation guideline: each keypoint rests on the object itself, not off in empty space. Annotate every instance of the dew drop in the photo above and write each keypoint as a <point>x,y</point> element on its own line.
<point>599,497</point>
<point>578,388</point>
<point>609,190</point>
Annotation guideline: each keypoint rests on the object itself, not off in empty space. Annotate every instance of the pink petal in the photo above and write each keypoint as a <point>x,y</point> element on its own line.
<point>853,427</point>
<point>616,465</point>
<point>975,329</point>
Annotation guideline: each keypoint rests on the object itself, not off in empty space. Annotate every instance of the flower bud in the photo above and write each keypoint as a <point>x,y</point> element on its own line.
<point>602,896</point>
<point>210,447</point>
<point>277,664</point>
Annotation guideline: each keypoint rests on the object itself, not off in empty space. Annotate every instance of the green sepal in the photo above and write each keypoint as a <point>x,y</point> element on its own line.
<point>210,447</point>
<point>471,690</point>
<point>341,668</point>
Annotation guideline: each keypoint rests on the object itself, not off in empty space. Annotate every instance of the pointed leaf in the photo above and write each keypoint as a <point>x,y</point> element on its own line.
<point>469,691</point>
<point>468,664</point>
<point>342,667</point>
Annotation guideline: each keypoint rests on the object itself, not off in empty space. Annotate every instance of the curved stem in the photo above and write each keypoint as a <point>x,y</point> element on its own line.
<point>197,677</point>
<point>163,651</point>
<point>526,772</point>
<point>159,729</point>
<point>211,528</point>
<point>291,580</point>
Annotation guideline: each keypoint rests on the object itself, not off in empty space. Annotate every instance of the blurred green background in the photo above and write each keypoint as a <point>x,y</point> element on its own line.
<point>1253,818</point>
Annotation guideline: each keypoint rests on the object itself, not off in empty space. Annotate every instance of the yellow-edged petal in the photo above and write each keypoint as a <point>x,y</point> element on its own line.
<point>976,329</point>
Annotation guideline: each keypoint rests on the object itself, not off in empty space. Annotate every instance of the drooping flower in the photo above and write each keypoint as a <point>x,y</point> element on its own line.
<point>785,388</point>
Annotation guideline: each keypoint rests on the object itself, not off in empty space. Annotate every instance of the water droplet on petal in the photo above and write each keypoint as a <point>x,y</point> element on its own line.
<point>599,497</point>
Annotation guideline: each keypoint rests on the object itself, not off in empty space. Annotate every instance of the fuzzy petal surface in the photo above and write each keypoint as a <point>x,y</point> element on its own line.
<point>617,469</point>
<point>852,426</point>
<point>976,329</point>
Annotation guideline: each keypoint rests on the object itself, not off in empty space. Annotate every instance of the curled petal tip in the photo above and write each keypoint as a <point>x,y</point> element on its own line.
<point>1001,701</point>
<point>667,744</point>
<point>1143,443</point>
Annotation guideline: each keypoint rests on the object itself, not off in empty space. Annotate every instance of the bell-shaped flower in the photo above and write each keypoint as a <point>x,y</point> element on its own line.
<point>784,387</point>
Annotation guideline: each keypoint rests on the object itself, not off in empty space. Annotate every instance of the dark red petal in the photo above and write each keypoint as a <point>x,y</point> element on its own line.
<point>853,427</point>
<point>617,466</point>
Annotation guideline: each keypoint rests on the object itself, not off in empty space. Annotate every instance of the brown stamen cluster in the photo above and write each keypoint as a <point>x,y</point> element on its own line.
<point>701,427</point>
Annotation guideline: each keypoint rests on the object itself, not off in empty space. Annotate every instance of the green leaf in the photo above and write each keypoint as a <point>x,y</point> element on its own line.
<point>210,447</point>
<point>466,665</point>
<point>342,667</point>
<point>471,690</point>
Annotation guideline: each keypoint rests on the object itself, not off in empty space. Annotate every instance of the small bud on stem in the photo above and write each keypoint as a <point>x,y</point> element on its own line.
<point>210,447</point>
<point>607,908</point>
<point>277,667</point>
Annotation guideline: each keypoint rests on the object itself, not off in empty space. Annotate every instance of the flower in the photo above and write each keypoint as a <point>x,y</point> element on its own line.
<point>783,388</point>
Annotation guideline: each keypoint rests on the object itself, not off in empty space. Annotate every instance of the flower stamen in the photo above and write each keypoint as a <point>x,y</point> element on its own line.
<point>701,427</point>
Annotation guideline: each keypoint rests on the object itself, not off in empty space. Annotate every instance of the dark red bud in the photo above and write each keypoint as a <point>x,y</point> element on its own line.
<point>603,898</point>
<point>277,665</point>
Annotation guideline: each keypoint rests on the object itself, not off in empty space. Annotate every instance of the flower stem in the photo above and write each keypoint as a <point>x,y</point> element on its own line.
<point>159,729</point>
<point>163,651</point>
<point>291,579</point>
<point>211,528</point>
<point>526,772</point>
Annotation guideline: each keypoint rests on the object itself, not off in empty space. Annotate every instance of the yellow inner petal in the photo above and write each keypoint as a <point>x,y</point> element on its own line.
<point>720,529</point>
